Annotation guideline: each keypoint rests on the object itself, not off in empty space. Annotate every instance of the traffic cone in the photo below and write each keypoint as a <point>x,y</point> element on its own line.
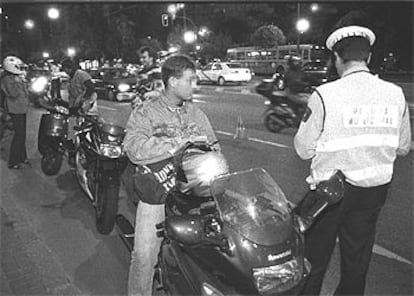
<point>240,129</point>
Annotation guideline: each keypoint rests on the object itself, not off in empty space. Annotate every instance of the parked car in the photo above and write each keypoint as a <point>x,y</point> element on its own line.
<point>221,73</point>
<point>114,84</point>
<point>319,72</point>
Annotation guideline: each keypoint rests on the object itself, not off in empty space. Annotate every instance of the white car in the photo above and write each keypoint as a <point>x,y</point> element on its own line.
<point>221,73</point>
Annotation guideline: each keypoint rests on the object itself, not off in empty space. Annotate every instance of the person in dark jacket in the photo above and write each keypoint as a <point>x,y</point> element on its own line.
<point>295,81</point>
<point>149,77</point>
<point>81,89</point>
<point>16,96</point>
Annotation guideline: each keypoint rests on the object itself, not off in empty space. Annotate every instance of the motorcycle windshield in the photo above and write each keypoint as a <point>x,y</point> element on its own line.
<point>253,204</point>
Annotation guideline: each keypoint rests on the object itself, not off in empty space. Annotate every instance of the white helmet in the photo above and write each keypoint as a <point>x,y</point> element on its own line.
<point>14,65</point>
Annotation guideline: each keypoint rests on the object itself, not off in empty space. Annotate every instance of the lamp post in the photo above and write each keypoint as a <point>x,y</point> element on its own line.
<point>52,14</point>
<point>302,25</point>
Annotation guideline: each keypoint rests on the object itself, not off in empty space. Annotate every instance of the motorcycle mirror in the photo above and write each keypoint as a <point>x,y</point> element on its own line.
<point>186,229</point>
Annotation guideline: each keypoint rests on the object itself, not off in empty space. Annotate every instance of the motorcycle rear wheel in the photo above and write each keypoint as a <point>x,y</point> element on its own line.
<point>273,123</point>
<point>51,163</point>
<point>106,207</point>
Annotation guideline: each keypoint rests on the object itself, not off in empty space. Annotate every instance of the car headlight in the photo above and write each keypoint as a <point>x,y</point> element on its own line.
<point>39,84</point>
<point>123,87</point>
<point>209,290</point>
<point>278,278</point>
<point>110,150</point>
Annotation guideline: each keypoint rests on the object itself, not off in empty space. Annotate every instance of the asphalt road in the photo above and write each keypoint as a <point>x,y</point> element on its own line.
<point>64,219</point>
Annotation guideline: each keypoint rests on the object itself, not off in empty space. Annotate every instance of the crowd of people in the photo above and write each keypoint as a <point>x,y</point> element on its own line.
<point>334,134</point>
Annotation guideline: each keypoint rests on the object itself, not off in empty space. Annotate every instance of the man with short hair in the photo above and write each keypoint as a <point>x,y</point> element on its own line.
<point>154,128</point>
<point>81,89</point>
<point>149,77</point>
<point>358,124</point>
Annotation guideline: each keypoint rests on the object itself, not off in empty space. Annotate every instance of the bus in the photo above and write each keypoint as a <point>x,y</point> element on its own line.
<point>267,61</point>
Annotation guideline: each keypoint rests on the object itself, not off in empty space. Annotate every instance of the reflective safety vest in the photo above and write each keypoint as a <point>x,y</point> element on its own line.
<point>358,124</point>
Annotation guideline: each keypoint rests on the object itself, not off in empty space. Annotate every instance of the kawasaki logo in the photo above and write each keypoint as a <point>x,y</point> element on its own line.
<point>271,257</point>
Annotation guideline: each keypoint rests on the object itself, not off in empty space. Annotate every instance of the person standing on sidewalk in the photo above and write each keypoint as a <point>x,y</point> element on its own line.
<point>14,89</point>
<point>358,124</point>
<point>56,83</point>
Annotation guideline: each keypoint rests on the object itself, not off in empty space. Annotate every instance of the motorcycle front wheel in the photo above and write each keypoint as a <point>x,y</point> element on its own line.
<point>106,206</point>
<point>51,163</point>
<point>273,123</point>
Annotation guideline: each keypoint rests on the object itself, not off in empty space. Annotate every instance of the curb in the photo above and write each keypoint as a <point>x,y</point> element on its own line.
<point>28,266</point>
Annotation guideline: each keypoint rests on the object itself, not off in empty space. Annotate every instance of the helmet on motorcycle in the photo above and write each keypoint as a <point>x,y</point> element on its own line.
<point>197,170</point>
<point>14,65</point>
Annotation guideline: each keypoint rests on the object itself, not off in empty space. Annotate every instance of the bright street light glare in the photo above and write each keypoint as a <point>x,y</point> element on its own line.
<point>53,13</point>
<point>71,51</point>
<point>172,9</point>
<point>314,7</point>
<point>189,37</point>
<point>302,25</point>
<point>29,24</point>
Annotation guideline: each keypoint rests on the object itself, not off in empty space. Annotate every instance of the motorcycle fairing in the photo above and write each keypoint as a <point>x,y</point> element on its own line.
<point>253,204</point>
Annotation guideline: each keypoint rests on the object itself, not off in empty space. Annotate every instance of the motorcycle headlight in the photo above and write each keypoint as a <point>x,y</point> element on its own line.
<point>123,87</point>
<point>110,150</point>
<point>278,278</point>
<point>39,84</point>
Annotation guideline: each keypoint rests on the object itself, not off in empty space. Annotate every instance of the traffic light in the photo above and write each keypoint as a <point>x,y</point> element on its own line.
<point>164,20</point>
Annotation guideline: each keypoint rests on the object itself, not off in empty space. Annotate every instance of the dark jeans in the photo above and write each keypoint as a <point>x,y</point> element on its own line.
<point>18,145</point>
<point>353,221</point>
<point>55,89</point>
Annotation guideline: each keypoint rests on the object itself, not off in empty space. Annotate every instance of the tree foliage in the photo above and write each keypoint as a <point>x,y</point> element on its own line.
<point>268,36</point>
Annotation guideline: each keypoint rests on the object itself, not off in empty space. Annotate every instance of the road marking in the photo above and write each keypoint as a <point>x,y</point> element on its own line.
<point>107,108</point>
<point>199,101</point>
<point>377,249</point>
<point>257,140</point>
<point>387,253</point>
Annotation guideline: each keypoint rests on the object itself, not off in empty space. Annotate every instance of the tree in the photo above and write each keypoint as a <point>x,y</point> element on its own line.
<point>268,36</point>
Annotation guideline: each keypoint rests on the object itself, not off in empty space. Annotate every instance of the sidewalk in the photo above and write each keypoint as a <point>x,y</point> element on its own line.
<point>28,266</point>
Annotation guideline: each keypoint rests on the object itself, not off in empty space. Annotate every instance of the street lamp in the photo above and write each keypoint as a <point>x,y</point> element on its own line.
<point>314,7</point>
<point>71,51</point>
<point>29,24</point>
<point>302,25</point>
<point>203,31</point>
<point>53,13</point>
<point>190,37</point>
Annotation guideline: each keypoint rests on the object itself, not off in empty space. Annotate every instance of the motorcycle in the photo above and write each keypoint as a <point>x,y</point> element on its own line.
<point>281,111</point>
<point>53,135</point>
<point>99,163</point>
<point>241,239</point>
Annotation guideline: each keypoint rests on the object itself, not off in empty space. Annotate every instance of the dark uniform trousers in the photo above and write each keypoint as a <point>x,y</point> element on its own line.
<point>18,145</point>
<point>353,221</point>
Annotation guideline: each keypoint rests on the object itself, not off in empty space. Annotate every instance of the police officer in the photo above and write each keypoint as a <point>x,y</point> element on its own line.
<point>357,124</point>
